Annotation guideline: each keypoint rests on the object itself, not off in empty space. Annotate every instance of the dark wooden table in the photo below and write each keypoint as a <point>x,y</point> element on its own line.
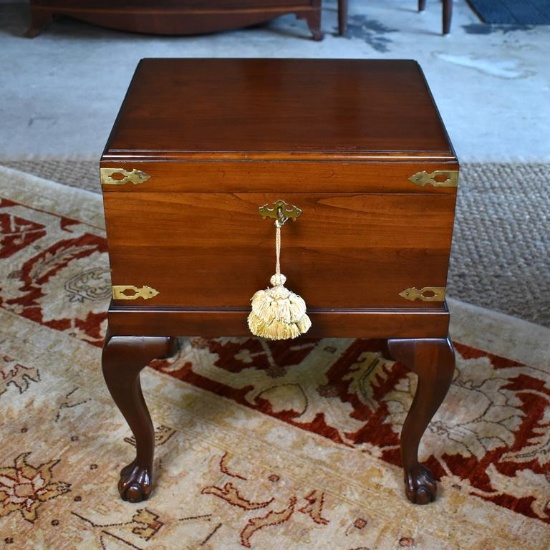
<point>174,17</point>
<point>199,145</point>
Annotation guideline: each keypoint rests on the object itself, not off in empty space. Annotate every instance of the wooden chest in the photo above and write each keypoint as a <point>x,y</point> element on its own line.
<point>201,144</point>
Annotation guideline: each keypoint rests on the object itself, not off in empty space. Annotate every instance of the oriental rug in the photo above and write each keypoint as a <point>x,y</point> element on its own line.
<point>259,445</point>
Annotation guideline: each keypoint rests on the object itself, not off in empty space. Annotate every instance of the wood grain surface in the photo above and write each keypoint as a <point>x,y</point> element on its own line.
<point>340,139</point>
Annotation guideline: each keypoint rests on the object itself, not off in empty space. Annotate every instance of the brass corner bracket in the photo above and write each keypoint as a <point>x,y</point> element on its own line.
<point>131,292</point>
<point>437,178</point>
<point>426,294</point>
<point>120,176</point>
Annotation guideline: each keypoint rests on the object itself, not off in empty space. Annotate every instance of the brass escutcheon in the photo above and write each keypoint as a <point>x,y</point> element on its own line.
<point>280,211</point>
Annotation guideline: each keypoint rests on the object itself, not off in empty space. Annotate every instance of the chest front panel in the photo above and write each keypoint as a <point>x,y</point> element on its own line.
<point>357,248</point>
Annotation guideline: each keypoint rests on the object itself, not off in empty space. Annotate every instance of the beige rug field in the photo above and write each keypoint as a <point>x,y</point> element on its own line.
<point>263,446</point>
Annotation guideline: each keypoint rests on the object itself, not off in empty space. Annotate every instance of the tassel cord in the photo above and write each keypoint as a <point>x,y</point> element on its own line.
<point>278,225</point>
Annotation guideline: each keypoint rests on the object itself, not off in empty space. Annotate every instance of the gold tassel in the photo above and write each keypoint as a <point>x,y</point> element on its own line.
<point>277,313</point>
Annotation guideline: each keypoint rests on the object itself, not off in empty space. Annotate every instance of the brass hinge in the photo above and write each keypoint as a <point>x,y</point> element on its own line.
<point>437,178</point>
<point>120,176</point>
<point>426,294</point>
<point>131,292</point>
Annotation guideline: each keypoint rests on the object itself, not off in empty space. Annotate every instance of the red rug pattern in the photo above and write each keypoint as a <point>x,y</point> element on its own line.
<point>491,437</point>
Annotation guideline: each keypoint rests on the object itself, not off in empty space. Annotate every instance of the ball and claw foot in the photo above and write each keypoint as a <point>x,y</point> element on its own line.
<point>420,486</point>
<point>135,483</point>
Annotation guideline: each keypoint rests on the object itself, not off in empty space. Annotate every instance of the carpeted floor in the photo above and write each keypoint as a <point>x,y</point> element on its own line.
<point>258,445</point>
<point>501,245</point>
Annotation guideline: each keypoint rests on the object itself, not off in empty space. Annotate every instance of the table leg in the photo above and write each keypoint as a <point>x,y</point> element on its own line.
<point>433,360</point>
<point>313,20</point>
<point>39,19</point>
<point>123,359</point>
<point>447,15</point>
<point>342,17</point>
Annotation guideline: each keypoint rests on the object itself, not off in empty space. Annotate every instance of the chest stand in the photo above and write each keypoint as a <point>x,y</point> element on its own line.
<point>432,359</point>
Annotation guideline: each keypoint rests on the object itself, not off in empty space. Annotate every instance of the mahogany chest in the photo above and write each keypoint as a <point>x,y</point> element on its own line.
<point>358,146</point>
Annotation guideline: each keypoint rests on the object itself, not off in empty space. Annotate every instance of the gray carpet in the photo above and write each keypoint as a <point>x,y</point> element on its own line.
<point>501,245</point>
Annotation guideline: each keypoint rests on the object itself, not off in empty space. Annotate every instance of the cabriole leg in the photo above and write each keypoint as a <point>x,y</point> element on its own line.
<point>123,359</point>
<point>433,360</point>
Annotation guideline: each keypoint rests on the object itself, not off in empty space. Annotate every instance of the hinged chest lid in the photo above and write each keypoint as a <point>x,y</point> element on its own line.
<point>277,109</point>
